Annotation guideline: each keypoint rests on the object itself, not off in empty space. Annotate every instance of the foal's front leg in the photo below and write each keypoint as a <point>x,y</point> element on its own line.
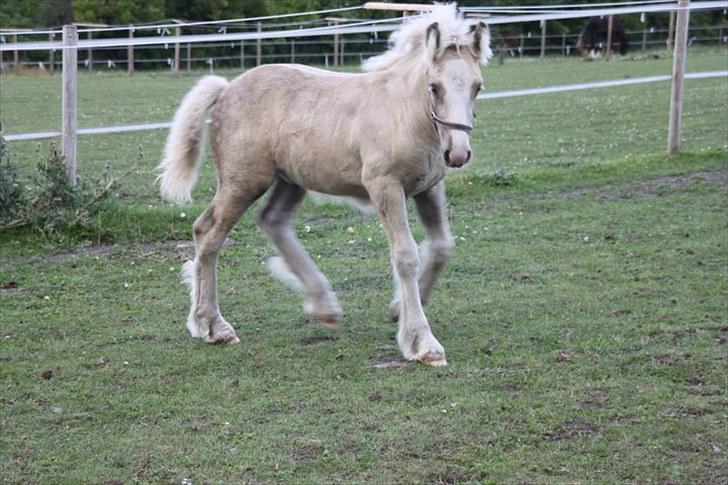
<point>435,250</point>
<point>414,337</point>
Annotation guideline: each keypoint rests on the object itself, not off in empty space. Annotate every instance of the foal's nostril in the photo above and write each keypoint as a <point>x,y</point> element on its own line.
<point>447,157</point>
<point>467,159</point>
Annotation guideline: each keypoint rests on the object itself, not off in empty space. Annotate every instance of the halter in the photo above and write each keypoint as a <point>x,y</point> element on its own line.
<point>449,124</point>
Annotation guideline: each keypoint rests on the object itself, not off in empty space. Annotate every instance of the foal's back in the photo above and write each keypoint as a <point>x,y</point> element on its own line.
<point>305,123</point>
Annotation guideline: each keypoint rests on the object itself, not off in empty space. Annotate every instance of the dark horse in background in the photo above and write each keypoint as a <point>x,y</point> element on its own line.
<point>593,39</point>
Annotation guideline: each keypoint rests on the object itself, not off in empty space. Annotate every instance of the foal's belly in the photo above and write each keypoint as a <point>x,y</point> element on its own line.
<point>329,169</point>
<point>338,172</point>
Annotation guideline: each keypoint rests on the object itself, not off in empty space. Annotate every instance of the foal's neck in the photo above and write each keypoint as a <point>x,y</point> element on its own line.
<point>411,86</point>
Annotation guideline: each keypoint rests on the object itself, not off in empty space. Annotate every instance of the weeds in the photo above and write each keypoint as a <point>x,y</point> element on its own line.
<point>500,178</point>
<point>12,195</point>
<point>50,204</point>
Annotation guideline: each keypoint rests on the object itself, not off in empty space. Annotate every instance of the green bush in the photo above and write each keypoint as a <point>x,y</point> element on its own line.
<point>12,193</point>
<point>50,204</point>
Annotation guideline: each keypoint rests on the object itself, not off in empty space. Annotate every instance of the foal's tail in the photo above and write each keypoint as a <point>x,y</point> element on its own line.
<point>182,155</point>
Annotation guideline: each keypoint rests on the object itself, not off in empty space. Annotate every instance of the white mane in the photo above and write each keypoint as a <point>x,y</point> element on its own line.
<point>409,40</point>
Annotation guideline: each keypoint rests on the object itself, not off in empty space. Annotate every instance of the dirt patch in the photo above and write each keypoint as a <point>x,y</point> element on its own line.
<point>650,186</point>
<point>641,188</point>
<point>317,341</point>
<point>310,450</point>
<point>449,477</point>
<point>185,250</point>
<point>8,287</point>
<point>387,361</point>
<point>574,428</point>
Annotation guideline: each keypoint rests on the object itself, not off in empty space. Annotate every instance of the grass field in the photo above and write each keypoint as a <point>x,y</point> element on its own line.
<point>584,312</point>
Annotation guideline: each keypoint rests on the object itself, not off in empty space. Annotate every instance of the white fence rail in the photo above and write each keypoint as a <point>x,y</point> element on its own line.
<point>40,135</point>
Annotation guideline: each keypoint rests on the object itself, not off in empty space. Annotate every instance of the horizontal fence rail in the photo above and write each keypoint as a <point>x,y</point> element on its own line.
<point>496,95</point>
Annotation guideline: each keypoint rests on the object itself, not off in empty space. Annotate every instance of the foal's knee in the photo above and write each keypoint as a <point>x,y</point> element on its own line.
<point>440,250</point>
<point>406,262</point>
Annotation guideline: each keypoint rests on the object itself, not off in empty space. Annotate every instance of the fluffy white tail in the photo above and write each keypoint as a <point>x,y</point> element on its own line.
<point>182,154</point>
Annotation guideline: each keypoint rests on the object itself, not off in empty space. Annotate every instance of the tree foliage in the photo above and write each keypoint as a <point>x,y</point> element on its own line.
<point>35,13</point>
<point>47,13</point>
<point>118,11</point>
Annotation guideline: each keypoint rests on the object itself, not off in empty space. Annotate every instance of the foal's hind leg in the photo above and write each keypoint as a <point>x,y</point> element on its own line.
<point>210,229</point>
<point>275,220</point>
<point>435,250</point>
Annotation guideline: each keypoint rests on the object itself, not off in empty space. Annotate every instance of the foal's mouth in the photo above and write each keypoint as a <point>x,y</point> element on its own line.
<point>457,158</point>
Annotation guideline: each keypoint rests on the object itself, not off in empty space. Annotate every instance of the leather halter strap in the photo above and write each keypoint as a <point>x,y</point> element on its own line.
<point>449,124</point>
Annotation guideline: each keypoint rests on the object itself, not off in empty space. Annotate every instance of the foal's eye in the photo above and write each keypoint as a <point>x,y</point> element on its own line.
<point>476,89</point>
<point>435,90</point>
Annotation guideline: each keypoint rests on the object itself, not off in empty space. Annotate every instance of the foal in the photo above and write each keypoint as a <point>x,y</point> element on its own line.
<point>381,136</point>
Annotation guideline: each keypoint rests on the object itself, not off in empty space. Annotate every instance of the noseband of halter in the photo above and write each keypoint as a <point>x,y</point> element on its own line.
<point>449,124</point>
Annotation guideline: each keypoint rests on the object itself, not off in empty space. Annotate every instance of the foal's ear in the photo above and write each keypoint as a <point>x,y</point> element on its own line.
<point>481,41</point>
<point>432,40</point>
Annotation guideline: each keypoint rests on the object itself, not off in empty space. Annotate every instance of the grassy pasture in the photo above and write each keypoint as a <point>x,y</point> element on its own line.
<point>583,314</point>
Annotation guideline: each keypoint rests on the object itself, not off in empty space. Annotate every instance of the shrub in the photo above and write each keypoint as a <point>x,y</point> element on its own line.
<point>50,204</point>
<point>12,193</point>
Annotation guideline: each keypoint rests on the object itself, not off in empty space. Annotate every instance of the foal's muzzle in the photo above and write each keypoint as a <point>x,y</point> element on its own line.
<point>457,158</point>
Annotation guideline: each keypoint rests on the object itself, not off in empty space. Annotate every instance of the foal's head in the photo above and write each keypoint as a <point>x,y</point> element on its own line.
<point>451,49</point>
<point>453,82</point>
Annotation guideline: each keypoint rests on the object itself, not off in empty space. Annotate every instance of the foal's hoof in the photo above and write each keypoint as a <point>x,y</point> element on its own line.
<point>226,340</point>
<point>233,340</point>
<point>225,336</point>
<point>435,359</point>
<point>329,323</point>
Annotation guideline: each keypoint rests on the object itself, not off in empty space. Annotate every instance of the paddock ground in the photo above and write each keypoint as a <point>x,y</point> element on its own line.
<point>583,313</point>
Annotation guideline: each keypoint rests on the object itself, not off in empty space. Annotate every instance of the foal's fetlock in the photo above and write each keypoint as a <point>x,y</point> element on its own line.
<point>198,328</point>
<point>325,307</point>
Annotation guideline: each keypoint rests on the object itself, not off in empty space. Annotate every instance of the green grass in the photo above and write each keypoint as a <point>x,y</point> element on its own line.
<point>583,313</point>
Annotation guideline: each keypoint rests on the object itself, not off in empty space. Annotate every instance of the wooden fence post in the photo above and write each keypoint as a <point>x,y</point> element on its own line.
<point>258,47</point>
<point>16,54</point>
<point>51,55</point>
<point>670,31</point>
<point>242,54</point>
<point>543,39</point>
<point>69,122</point>
<point>336,46</point>
<point>189,57</point>
<point>293,51</point>
<point>130,53</point>
<point>678,74</point>
<point>341,50</point>
<point>90,55</point>
<point>177,33</point>
<point>610,30</point>
<point>520,46</point>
